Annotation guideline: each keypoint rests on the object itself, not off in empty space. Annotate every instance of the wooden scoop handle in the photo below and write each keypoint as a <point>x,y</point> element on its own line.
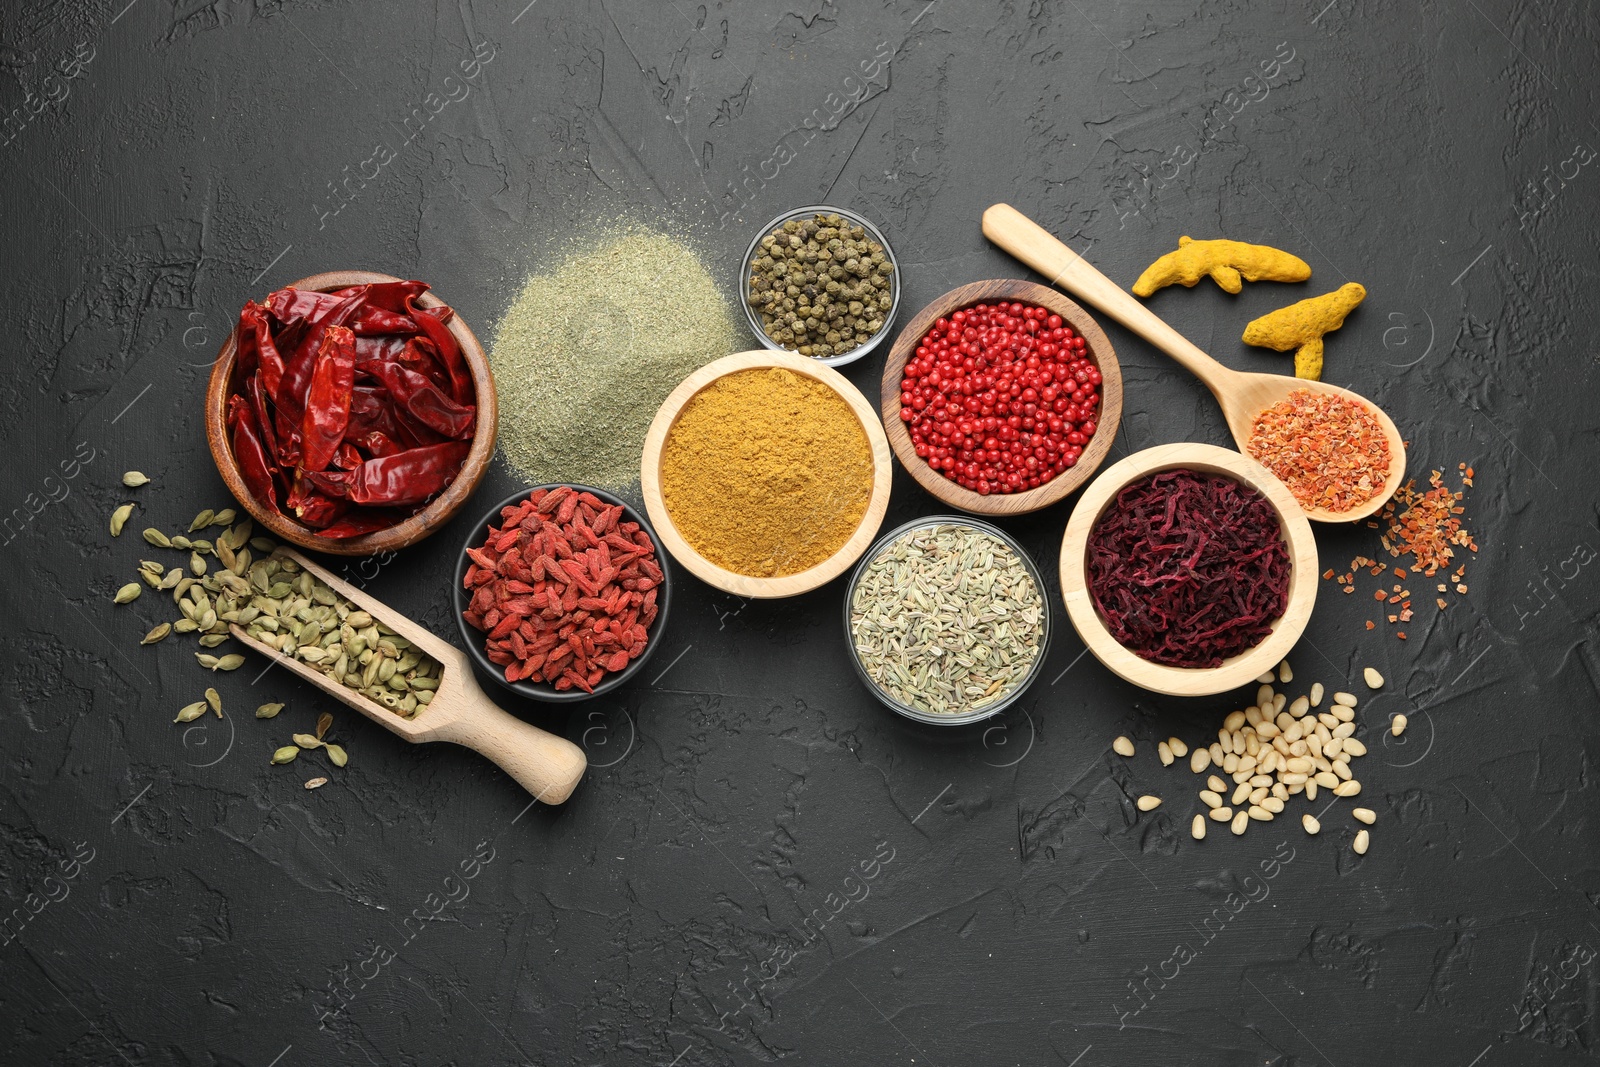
<point>1031,243</point>
<point>547,766</point>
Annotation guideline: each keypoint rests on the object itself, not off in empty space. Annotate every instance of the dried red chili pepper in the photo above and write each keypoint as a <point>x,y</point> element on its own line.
<point>422,399</point>
<point>358,523</point>
<point>290,399</point>
<point>253,322</point>
<point>408,477</point>
<point>328,398</point>
<point>390,296</point>
<point>254,466</point>
<point>254,393</point>
<point>432,323</point>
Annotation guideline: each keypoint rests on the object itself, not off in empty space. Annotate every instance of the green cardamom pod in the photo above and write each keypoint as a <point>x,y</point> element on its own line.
<point>268,711</point>
<point>202,520</point>
<point>128,593</point>
<point>157,538</point>
<point>157,633</point>
<point>336,755</point>
<point>285,754</point>
<point>119,518</point>
<point>134,479</point>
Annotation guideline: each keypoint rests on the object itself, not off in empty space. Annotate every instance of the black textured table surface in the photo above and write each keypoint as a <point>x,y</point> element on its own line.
<point>763,864</point>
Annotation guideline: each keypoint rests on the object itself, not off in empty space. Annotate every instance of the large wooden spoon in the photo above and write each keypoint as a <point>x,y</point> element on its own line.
<point>547,766</point>
<point>1242,396</point>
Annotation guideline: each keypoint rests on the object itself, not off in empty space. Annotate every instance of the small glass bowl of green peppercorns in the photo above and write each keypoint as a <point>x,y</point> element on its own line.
<point>822,282</point>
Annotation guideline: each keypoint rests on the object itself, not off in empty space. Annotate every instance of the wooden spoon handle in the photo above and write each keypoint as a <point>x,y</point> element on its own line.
<point>547,766</point>
<point>1031,243</point>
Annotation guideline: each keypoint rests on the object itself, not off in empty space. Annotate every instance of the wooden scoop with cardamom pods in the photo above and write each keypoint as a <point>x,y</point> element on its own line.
<point>547,766</point>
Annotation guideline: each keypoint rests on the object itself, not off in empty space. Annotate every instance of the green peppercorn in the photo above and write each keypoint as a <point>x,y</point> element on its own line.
<point>821,285</point>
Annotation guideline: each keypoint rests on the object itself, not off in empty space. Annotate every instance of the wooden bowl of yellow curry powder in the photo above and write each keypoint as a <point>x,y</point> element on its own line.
<point>766,474</point>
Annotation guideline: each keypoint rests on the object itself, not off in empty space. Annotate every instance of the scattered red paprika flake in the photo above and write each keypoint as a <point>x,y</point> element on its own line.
<point>1401,634</point>
<point>1371,625</point>
<point>564,589</point>
<point>1427,527</point>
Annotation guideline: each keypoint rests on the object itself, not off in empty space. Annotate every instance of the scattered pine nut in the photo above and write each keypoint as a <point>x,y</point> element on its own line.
<point>1122,746</point>
<point>1373,679</point>
<point>1199,760</point>
<point>1347,699</point>
<point>1354,747</point>
<point>1216,785</point>
<point>1148,803</point>
<point>1240,821</point>
<point>1311,824</point>
<point>1366,815</point>
<point>1164,751</point>
<point>1347,789</point>
<point>1363,839</point>
<point>1239,794</point>
<point>1258,813</point>
<point>1179,747</point>
<point>1397,725</point>
<point>1316,693</point>
<point>1198,828</point>
<point>1285,675</point>
<point>1210,798</point>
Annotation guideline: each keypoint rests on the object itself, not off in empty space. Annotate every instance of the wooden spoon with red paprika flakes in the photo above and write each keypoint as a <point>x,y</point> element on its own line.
<point>1242,396</point>
<point>547,766</point>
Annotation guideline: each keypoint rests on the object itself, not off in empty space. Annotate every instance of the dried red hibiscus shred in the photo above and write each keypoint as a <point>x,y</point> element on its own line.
<point>354,408</point>
<point>1188,569</point>
<point>564,589</point>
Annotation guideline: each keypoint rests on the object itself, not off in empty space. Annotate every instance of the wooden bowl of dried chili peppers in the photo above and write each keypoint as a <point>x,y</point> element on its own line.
<point>561,592</point>
<point>351,412</point>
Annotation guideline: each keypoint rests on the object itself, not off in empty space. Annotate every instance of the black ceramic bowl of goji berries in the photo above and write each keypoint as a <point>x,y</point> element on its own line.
<point>561,592</point>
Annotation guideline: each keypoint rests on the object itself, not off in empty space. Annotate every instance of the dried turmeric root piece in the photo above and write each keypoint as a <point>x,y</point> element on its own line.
<point>1229,263</point>
<point>1301,326</point>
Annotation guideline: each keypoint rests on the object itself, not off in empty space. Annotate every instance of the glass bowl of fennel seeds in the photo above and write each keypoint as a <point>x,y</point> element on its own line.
<point>947,620</point>
<point>842,309</point>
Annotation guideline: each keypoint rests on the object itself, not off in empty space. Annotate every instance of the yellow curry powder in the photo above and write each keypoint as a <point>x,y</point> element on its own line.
<point>766,472</point>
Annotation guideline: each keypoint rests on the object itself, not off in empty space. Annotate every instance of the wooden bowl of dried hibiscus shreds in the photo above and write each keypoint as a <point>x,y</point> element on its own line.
<point>561,592</point>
